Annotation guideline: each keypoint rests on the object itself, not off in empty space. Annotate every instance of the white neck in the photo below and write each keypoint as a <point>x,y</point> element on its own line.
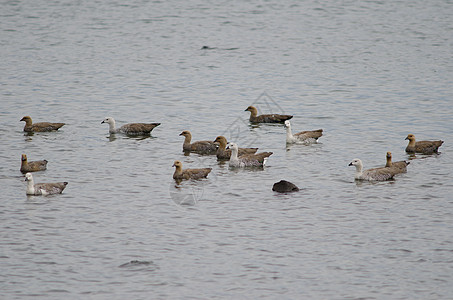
<point>30,187</point>
<point>358,169</point>
<point>112,128</point>
<point>289,135</point>
<point>234,154</point>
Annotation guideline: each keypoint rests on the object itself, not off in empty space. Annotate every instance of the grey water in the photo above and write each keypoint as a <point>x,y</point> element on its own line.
<point>367,72</point>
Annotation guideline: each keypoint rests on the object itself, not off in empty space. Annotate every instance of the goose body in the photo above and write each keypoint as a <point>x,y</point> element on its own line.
<point>246,160</point>
<point>376,174</point>
<point>284,186</point>
<point>180,174</point>
<point>398,166</point>
<point>425,147</point>
<point>269,118</point>
<point>43,188</point>
<point>32,166</point>
<point>202,147</point>
<point>223,154</point>
<point>303,137</point>
<point>131,128</point>
<point>39,127</point>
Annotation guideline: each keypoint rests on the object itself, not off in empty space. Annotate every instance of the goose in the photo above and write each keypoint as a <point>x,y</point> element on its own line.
<point>425,147</point>
<point>39,127</point>
<point>32,166</point>
<point>284,186</point>
<point>246,160</point>
<point>43,188</point>
<point>399,166</point>
<point>303,137</point>
<point>223,154</point>
<point>270,118</point>
<point>376,174</point>
<point>203,147</point>
<point>189,173</point>
<point>131,128</point>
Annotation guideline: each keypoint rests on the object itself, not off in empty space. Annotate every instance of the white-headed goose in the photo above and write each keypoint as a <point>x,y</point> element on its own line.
<point>43,188</point>
<point>131,128</point>
<point>376,174</point>
<point>303,137</point>
<point>246,160</point>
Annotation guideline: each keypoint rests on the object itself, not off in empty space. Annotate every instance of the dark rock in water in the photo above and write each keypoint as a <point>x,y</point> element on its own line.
<point>284,186</point>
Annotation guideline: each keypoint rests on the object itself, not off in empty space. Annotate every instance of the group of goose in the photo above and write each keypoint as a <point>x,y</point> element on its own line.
<point>224,150</point>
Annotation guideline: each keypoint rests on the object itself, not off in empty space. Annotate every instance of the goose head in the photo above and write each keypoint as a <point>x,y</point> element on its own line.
<point>28,177</point>
<point>356,162</point>
<point>108,120</point>
<point>231,145</point>
<point>410,137</point>
<point>24,157</point>
<point>287,124</point>
<point>177,164</point>
<point>220,140</point>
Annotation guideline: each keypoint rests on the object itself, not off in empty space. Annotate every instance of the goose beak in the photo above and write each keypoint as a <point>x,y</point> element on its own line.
<point>102,122</point>
<point>406,138</point>
<point>350,164</point>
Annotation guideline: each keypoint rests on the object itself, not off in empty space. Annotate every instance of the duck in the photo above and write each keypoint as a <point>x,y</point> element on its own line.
<point>284,186</point>
<point>202,147</point>
<point>223,154</point>
<point>43,188</point>
<point>270,118</point>
<point>32,166</point>
<point>303,137</point>
<point>376,174</point>
<point>41,126</point>
<point>399,166</point>
<point>131,128</point>
<point>246,160</point>
<point>180,174</point>
<point>425,147</point>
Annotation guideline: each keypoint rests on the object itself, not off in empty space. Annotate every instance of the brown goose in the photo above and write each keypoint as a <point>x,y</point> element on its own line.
<point>32,166</point>
<point>223,154</point>
<point>43,188</point>
<point>189,173</point>
<point>270,118</point>
<point>376,174</point>
<point>246,160</point>
<point>203,147</point>
<point>284,186</point>
<point>39,127</point>
<point>425,147</point>
<point>131,128</point>
<point>399,166</point>
<point>303,137</point>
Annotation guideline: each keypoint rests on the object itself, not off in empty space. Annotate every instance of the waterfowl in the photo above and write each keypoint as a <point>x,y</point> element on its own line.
<point>399,166</point>
<point>203,147</point>
<point>189,173</point>
<point>303,137</point>
<point>32,166</point>
<point>246,160</point>
<point>376,174</point>
<point>425,147</point>
<point>270,118</point>
<point>131,128</point>
<point>222,153</point>
<point>43,188</point>
<point>39,127</point>
<point>284,186</point>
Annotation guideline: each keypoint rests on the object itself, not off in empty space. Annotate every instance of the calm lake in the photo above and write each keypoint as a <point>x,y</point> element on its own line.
<point>367,72</point>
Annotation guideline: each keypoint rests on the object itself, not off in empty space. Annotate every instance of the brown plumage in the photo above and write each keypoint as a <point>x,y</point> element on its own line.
<point>284,186</point>
<point>246,160</point>
<point>39,127</point>
<point>131,128</point>
<point>425,147</point>
<point>270,118</point>
<point>32,166</point>
<point>399,166</point>
<point>224,154</point>
<point>203,147</point>
<point>189,173</point>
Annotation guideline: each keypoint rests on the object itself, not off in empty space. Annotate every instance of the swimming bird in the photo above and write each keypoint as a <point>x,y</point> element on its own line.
<point>189,173</point>
<point>131,128</point>
<point>222,153</point>
<point>32,166</point>
<point>376,174</point>
<point>246,160</point>
<point>284,186</point>
<point>270,118</point>
<point>202,147</point>
<point>399,166</point>
<point>303,137</point>
<point>39,127</point>
<point>43,188</point>
<point>425,147</point>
